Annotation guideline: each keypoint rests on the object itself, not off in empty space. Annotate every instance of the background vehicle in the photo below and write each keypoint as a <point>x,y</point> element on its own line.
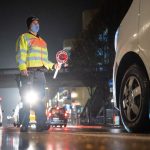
<point>131,72</point>
<point>32,117</point>
<point>57,116</point>
<point>16,115</point>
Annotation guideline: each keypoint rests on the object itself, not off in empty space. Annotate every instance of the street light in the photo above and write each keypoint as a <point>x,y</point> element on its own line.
<point>74,95</point>
<point>46,88</point>
<point>112,100</point>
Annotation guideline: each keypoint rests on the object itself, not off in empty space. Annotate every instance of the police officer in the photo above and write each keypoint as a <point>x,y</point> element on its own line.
<point>32,61</point>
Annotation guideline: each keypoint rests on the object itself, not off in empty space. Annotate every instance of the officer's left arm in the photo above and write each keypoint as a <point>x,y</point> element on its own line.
<point>50,64</point>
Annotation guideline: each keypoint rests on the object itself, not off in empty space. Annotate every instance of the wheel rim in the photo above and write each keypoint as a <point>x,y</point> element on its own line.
<point>131,98</point>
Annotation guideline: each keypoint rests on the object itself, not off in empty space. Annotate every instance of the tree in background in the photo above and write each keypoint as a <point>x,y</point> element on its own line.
<point>94,50</point>
<point>93,53</point>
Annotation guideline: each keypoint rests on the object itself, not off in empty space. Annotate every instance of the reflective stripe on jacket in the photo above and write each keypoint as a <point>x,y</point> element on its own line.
<point>32,52</point>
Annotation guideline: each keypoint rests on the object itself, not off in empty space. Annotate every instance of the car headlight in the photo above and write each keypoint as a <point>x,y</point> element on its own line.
<point>31,97</point>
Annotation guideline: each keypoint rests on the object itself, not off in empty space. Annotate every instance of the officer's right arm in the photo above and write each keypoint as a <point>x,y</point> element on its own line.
<point>21,49</point>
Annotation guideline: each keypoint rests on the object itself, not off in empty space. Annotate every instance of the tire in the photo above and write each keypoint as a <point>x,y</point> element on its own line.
<point>65,125</point>
<point>133,100</point>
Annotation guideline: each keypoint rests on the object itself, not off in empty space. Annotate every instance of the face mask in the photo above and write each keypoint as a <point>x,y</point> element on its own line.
<point>35,28</point>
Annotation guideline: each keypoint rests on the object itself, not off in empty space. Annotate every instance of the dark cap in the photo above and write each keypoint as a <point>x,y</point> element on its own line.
<point>30,19</point>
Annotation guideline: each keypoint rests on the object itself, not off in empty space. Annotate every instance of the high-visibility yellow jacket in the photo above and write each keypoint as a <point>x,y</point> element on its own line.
<point>32,52</point>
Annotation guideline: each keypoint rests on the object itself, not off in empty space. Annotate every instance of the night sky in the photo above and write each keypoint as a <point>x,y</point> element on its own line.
<point>59,19</point>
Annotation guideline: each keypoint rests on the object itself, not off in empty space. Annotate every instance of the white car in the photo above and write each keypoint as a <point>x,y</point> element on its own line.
<point>131,71</point>
<point>16,115</point>
<point>17,111</point>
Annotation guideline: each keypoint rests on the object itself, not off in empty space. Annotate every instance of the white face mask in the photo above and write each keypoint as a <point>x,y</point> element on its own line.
<point>35,28</point>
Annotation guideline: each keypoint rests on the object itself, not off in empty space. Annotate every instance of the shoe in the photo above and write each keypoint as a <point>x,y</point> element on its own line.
<point>23,129</point>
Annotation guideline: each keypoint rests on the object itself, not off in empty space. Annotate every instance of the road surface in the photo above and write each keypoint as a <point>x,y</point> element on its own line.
<point>73,138</point>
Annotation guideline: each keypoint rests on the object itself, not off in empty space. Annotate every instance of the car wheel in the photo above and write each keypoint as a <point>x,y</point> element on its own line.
<point>65,125</point>
<point>133,100</point>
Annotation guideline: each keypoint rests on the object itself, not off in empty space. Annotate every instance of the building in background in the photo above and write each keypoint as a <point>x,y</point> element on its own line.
<point>73,98</point>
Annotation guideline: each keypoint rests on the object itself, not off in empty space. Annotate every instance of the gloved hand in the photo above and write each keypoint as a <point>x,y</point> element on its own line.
<point>57,66</point>
<point>24,72</point>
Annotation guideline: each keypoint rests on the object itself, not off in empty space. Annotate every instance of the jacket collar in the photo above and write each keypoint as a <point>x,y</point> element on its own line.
<point>34,35</point>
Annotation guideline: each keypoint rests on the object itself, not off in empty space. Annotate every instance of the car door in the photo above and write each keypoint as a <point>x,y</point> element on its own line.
<point>144,32</point>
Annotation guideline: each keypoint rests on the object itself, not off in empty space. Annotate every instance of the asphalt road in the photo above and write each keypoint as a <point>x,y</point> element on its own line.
<point>73,138</point>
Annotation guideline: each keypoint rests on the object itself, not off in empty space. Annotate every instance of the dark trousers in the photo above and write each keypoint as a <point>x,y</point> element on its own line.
<point>35,81</point>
